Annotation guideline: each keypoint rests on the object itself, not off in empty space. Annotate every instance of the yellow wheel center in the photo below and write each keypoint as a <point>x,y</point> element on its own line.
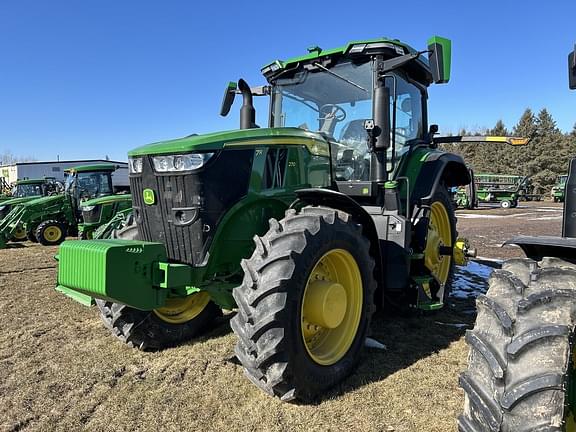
<point>439,234</point>
<point>53,233</point>
<point>20,233</point>
<point>326,304</point>
<point>331,307</point>
<point>181,310</point>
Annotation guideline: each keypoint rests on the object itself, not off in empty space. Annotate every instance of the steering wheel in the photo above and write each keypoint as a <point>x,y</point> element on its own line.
<point>336,111</point>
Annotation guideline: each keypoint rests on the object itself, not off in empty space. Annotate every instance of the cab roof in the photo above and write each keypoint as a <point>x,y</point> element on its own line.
<point>98,167</point>
<point>30,181</point>
<point>393,47</point>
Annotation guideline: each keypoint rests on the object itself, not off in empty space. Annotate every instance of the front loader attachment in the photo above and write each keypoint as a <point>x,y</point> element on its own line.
<point>10,224</point>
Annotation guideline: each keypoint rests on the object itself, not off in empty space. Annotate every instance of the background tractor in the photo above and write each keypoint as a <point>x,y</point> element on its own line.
<point>99,211</point>
<point>558,189</point>
<point>49,219</point>
<point>340,206</point>
<point>26,190</point>
<point>521,372</point>
<point>23,191</point>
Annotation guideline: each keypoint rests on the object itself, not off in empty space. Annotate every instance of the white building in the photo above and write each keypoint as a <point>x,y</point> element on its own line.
<point>55,169</point>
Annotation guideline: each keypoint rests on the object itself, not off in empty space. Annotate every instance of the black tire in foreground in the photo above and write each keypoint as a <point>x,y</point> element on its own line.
<point>286,350</point>
<point>155,330</point>
<point>51,232</point>
<point>521,366</point>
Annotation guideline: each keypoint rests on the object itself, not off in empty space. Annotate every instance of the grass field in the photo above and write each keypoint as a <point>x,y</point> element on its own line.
<point>60,369</point>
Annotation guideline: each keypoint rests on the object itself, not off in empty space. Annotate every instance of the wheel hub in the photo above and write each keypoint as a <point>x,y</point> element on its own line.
<point>325,304</point>
<point>331,307</point>
<point>52,233</point>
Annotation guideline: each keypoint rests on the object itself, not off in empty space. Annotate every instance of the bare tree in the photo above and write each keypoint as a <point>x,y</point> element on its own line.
<point>7,158</point>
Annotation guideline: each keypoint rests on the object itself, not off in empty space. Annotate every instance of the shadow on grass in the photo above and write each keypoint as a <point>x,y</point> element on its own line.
<point>15,245</point>
<point>413,336</point>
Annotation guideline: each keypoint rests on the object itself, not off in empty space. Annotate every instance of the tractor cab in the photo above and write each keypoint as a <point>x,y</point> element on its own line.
<point>352,99</point>
<point>89,181</point>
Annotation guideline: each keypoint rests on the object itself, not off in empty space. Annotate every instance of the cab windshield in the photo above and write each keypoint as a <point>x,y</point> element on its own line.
<point>336,102</point>
<point>26,190</point>
<point>89,184</point>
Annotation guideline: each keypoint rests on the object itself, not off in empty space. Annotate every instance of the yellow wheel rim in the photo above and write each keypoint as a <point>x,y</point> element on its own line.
<point>20,233</point>
<point>53,233</point>
<point>331,307</point>
<point>181,310</point>
<point>439,234</point>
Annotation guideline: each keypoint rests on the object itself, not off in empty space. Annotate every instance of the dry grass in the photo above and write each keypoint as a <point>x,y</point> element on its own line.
<point>61,370</point>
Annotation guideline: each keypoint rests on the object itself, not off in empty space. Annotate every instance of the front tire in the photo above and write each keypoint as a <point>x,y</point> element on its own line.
<point>505,204</point>
<point>521,364</point>
<point>305,303</point>
<point>179,321</point>
<point>50,233</point>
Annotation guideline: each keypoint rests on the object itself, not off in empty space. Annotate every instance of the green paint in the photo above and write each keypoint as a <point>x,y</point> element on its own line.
<point>87,168</point>
<point>284,64</point>
<point>219,140</point>
<point>108,199</point>
<point>446,45</point>
<point>149,197</point>
<point>83,299</point>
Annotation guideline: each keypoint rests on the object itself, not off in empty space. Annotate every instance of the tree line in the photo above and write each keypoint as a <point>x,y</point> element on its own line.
<point>545,157</point>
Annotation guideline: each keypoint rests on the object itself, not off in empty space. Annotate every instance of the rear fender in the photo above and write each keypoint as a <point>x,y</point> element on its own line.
<point>546,246</point>
<point>340,201</point>
<point>440,168</point>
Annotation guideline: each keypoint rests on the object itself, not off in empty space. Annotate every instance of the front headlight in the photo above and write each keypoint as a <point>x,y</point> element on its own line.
<point>2,208</point>
<point>177,163</point>
<point>135,165</point>
<point>87,208</point>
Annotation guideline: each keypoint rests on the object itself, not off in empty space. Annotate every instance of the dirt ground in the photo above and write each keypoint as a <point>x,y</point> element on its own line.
<point>61,370</point>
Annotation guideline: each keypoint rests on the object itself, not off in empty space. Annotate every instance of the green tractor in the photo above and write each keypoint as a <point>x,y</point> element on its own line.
<point>521,373</point>
<point>340,206</point>
<point>24,191</point>
<point>558,190</point>
<point>99,211</point>
<point>49,219</point>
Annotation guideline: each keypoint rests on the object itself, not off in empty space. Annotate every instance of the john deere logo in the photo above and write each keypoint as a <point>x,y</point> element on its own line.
<point>149,197</point>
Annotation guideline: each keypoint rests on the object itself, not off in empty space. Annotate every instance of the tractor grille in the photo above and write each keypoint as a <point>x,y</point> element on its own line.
<point>92,216</point>
<point>189,207</point>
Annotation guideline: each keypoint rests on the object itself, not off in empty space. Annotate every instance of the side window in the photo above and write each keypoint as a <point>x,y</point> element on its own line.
<point>408,112</point>
<point>275,168</point>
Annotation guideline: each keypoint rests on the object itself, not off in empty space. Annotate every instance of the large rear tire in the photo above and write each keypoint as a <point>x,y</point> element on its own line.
<point>179,321</point>
<point>305,303</point>
<point>521,373</point>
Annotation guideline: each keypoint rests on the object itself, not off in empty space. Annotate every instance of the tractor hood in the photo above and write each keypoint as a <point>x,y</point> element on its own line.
<point>106,200</point>
<point>315,142</point>
<point>45,200</point>
<point>16,201</point>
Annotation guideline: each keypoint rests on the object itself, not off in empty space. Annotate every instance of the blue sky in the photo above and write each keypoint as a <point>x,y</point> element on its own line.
<point>88,78</point>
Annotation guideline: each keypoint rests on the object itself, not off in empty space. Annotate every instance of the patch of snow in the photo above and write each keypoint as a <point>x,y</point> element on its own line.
<point>471,280</point>
<point>373,343</point>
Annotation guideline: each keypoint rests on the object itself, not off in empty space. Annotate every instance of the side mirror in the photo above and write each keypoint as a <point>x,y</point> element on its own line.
<point>228,99</point>
<point>440,57</point>
<point>572,69</point>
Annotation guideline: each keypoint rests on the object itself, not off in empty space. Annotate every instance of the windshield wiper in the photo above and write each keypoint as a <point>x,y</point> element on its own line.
<point>340,76</point>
